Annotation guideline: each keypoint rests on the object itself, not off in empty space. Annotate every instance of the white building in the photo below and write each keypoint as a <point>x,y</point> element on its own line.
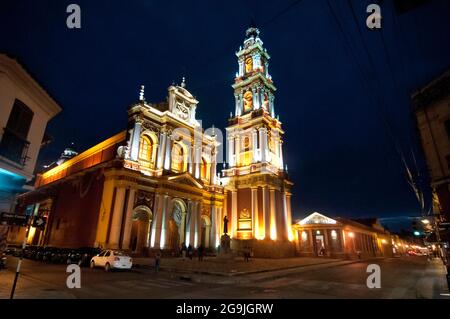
<point>25,109</point>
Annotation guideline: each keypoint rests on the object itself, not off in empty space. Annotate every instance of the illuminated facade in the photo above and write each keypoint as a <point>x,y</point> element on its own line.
<point>319,235</point>
<point>153,186</point>
<point>258,193</point>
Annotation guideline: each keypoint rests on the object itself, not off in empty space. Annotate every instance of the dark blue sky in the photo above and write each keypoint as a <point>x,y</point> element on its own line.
<point>338,82</point>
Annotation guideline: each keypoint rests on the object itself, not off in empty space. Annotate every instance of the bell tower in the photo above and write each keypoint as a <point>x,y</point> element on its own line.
<point>258,189</point>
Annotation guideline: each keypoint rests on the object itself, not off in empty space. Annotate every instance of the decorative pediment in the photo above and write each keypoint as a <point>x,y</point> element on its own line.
<point>185,179</point>
<point>317,218</point>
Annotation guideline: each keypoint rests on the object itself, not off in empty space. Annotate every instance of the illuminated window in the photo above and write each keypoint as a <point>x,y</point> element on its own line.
<point>266,102</point>
<point>248,101</point>
<point>146,149</point>
<point>178,162</point>
<point>246,144</point>
<point>204,169</point>
<point>334,234</point>
<point>248,65</point>
<point>304,236</point>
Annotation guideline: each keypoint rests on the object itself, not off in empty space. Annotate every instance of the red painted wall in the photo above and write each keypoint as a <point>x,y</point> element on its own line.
<point>75,214</point>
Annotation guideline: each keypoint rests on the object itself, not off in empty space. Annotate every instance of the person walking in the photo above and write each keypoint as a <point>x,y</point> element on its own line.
<point>201,251</point>
<point>190,251</point>
<point>183,251</point>
<point>157,260</point>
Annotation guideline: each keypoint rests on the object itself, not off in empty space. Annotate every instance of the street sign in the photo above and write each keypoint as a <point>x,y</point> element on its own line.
<point>13,219</point>
<point>39,222</point>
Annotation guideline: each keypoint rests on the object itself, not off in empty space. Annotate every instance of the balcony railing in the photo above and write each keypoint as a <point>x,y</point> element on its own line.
<point>14,147</point>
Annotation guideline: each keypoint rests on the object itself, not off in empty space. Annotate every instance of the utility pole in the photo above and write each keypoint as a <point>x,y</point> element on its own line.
<point>30,219</point>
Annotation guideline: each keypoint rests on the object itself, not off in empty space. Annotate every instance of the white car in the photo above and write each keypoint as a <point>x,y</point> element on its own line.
<point>112,259</point>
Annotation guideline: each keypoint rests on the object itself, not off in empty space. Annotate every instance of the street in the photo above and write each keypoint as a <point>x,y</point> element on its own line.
<point>406,277</point>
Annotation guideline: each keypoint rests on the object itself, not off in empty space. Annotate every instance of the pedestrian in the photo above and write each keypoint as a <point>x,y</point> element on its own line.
<point>201,251</point>
<point>190,251</point>
<point>183,251</point>
<point>157,260</point>
<point>246,254</point>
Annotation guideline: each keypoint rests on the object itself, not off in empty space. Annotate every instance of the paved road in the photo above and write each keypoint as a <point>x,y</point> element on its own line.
<point>411,277</point>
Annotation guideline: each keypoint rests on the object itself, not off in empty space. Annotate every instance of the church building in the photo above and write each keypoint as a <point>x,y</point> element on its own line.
<point>155,185</point>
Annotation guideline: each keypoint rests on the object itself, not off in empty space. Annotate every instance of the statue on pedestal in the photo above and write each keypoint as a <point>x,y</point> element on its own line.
<point>225,240</point>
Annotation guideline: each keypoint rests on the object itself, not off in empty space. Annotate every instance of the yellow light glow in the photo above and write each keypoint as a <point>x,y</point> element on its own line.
<point>86,154</point>
<point>290,235</point>
<point>351,235</point>
<point>261,232</point>
<point>425,221</point>
<point>304,236</point>
<point>273,231</point>
<point>383,241</point>
<point>31,235</point>
<point>333,234</point>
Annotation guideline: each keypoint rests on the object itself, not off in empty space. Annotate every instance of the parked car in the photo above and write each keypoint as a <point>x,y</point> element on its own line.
<point>112,259</point>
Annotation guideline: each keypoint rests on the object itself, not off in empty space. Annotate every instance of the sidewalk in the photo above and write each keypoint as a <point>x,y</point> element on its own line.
<point>433,282</point>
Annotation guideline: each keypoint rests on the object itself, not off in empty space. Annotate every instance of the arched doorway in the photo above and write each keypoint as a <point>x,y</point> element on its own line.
<point>140,228</point>
<point>177,224</point>
<point>206,231</point>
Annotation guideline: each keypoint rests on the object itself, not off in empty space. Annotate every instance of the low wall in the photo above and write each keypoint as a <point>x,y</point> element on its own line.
<point>264,248</point>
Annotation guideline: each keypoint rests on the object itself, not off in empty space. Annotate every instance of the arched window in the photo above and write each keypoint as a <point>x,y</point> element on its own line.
<point>246,144</point>
<point>204,169</point>
<point>248,65</point>
<point>248,101</point>
<point>178,162</point>
<point>146,149</point>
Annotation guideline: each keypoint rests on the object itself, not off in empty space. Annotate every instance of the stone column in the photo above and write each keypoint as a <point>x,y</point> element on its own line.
<point>183,228</point>
<point>238,150</point>
<point>289,216</point>
<point>285,228</point>
<point>311,241</point>
<point>213,168</point>
<point>234,214</point>
<point>266,211</point>
<point>161,148</point>
<point>280,152</point>
<point>198,210</point>
<point>198,159</point>
<point>241,103</point>
<point>236,97</point>
<point>168,155</point>
<point>165,222</point>
<point>273,219</point>
<point>213,232</point>
<point>116,223</point>
<point>255,217</point>
<point>271,105</point>
<point>159,219</point>
<point>231,151</point>
<point>190,159</point>
<point>262,143</point>
<point>128,220</point>
<point>135,140</point>
<point>255,98</point>
<point>255,145</point>
<point>192,220</point>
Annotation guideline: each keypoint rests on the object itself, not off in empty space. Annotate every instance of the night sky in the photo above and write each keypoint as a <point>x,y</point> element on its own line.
<point>340,85</point>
